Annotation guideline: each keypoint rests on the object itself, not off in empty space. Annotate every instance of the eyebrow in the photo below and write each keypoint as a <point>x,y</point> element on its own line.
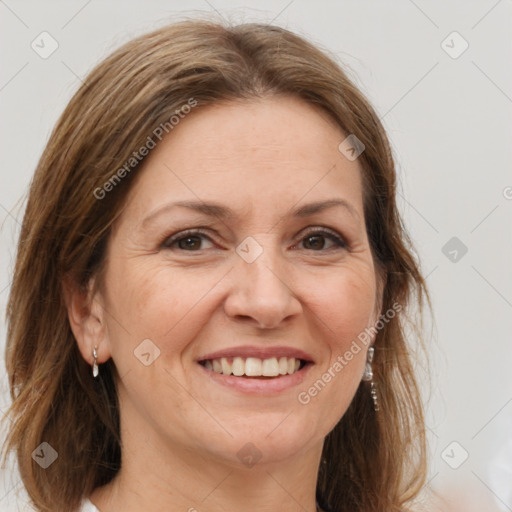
<point>223,212</point>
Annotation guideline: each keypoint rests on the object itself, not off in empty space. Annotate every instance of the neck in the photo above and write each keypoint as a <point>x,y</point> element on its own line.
<point>159,477</point>
<point>147,484</point>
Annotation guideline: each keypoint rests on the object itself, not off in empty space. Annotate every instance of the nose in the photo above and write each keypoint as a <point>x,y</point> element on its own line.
<point>262,292</point>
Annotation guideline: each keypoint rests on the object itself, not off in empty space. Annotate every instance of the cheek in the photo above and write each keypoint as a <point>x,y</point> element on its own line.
<point>157,303</point>
<point>344,312</point>
<point>345,306</point>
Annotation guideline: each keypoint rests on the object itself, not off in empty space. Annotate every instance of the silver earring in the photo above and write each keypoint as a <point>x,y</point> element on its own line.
<point>374,396</point>
<point>95,369</point>
<point>368,372</point>
<point>368,376</point>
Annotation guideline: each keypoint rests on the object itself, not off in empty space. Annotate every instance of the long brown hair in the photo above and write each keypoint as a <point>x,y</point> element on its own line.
<point>370,462</point>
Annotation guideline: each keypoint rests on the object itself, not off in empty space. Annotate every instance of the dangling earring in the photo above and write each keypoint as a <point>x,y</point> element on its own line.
<point>368,376</point>
<point>368,372</point>
<point>95,369</point>
<point>374,396</point>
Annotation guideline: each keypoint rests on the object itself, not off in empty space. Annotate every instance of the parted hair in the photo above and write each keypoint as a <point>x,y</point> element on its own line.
<point>371,461</point>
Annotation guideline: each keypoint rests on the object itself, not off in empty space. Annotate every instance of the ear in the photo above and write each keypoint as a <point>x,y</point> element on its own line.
<point>87,319</point>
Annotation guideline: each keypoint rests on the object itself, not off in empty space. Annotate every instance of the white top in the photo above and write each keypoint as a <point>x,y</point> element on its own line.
<point>87,506</point>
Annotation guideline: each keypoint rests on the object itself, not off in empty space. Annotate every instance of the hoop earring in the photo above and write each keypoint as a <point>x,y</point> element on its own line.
<point>368,377</point>
<point>95,369</point>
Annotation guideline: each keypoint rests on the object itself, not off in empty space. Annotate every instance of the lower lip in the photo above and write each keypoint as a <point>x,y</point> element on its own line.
<point>257,386</point>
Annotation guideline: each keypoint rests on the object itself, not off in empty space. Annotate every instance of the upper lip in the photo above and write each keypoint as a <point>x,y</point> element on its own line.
<point>259,352</point>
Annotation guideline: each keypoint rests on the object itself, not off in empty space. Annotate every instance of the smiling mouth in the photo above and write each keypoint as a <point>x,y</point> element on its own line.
<point>254,367</point>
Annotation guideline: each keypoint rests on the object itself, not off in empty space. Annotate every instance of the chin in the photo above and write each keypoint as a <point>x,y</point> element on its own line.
<point>267,439</point>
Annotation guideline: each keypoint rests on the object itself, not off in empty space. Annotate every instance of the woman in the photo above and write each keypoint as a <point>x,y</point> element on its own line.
<point>211,288</point>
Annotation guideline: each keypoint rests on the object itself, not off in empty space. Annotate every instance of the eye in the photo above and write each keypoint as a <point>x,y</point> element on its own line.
<point>190,240</point>
<point>322,239</point>
<point>194,240</point>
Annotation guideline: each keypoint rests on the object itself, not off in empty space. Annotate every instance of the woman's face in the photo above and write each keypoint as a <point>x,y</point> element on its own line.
<point>266,262</point>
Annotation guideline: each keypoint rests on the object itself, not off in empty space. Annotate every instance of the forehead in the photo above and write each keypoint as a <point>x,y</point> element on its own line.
<point>265,153</point>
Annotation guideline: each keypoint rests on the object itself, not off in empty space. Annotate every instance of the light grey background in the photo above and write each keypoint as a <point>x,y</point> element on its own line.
<point>449,120</point>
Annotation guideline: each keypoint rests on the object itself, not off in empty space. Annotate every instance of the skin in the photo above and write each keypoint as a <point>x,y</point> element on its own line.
<point>181,430</point>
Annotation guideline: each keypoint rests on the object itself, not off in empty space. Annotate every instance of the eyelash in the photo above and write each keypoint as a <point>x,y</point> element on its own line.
<point>332,235</point>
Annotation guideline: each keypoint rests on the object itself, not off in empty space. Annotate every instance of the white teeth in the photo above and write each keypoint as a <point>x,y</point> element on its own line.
<point>270,367</point>
<point>253,366</point>
<point>238,366</point>
<point>227,368</point>
<point>283,366</point>
<point>217,367</point>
